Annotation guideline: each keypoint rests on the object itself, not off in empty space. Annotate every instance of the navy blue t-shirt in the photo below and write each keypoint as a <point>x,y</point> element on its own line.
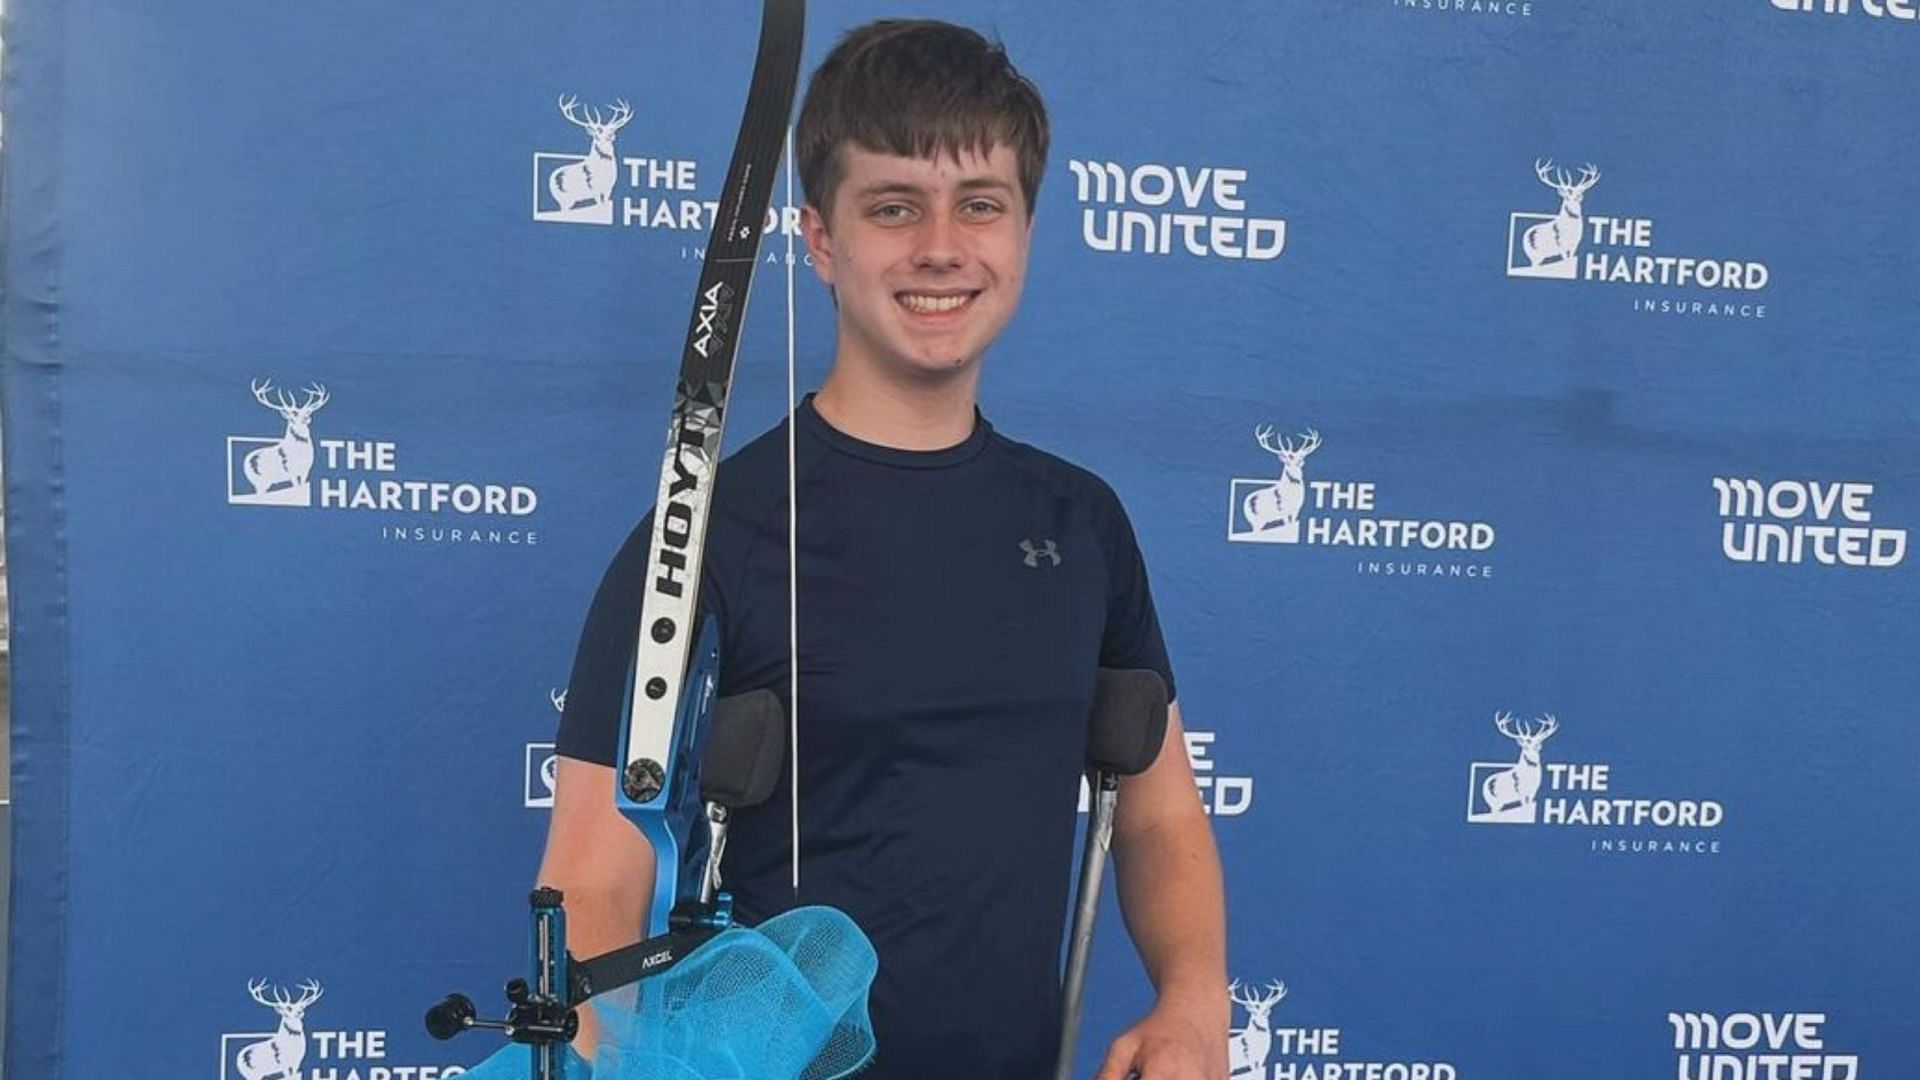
<point>954,607</point>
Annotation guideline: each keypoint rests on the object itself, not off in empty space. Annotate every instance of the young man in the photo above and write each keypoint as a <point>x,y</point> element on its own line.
<point>958,591</point>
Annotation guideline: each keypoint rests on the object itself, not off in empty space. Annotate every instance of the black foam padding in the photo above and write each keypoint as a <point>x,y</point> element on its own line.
<point>1129,720</point>
<point>745,746</point>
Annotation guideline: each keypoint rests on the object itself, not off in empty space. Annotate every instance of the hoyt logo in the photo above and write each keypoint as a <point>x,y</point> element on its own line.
<point>1574,245</point>
<point>1532,791</point>
<point>1757,1046</point>
<point>1304,1053</point>
<point>1797,521</point>
<point>297,470</point>
<point>1903,10</point>
<point>690,462</point>
<point>543,764</point>
<point>295,1050</point>
<point>1158,209</point>
<point>601,186</point>
<point>1292,509</point>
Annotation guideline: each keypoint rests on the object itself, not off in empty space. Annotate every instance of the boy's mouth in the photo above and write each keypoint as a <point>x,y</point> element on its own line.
<point>928,303</point>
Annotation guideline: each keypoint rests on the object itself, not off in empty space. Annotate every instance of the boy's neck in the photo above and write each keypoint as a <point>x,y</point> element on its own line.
<point>931,415</point>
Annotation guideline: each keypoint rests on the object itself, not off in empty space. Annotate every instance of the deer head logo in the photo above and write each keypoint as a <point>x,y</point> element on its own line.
<point>1557,239</point>
<point>278,470</point>
<point>278,1056</point>
<point>589,181</point>
<point>1249,1046</point>
<point>1277,507</point>
<point>1507,794</point>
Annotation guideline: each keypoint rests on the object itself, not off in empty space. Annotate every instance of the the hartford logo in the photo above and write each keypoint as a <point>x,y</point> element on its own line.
<point>543,764</point>
<point>1292,509</point>
<point>1162,209</point>
<point>1757,1046</point>
<point>1315,1052</point>
<point>293,1051</point>
<point>1907,10</point>
<point>1530,791</point>
<point>1573,245</point>
<point>297,470</point>
<point>1794,521</point>
<point>600,186</point>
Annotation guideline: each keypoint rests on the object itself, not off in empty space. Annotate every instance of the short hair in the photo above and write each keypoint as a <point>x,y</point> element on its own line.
<point>917,88</point>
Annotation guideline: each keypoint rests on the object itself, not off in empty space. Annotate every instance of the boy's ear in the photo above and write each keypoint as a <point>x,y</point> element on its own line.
<point>813,229</point>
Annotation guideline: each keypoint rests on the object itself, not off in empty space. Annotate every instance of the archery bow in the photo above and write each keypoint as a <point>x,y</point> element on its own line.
<point>674,671</point>
<point>670,696</point>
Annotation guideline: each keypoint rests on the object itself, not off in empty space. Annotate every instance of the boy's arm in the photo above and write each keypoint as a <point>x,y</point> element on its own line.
<point>602,863</point>
<point>1174,902</point>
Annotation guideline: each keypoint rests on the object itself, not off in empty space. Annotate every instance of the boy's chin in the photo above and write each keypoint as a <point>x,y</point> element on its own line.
<point>940,367</point>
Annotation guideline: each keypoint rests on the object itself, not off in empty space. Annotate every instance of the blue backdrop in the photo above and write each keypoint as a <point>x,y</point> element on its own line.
<point>1515,400</point>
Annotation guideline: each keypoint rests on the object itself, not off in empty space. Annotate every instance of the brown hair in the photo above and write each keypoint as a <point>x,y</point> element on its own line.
<point>917,88</point>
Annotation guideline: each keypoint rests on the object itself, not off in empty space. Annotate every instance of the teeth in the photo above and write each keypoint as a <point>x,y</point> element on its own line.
<point>932,305</point>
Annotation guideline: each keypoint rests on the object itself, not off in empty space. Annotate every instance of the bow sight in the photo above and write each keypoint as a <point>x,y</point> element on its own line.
<point>741,765</point>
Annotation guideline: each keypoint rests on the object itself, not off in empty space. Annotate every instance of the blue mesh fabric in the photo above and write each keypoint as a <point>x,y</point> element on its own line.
<point>515,1062</point>
<point>786,1000</point>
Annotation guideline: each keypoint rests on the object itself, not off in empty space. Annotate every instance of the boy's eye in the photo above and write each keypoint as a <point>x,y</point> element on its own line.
<point>981,208</point>
<point>891,212</point>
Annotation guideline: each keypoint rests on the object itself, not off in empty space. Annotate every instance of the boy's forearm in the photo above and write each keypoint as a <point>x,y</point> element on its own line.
<point>1173,899</point>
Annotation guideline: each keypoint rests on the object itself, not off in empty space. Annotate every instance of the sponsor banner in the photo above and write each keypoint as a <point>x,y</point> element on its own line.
<point>652,191</point>
<point>1196,211</point>
<point>1617,250</point>
<point>301,471</point>
<point>296,1049</point>
<point>1349,514</point>
<point>1261,1050</point>
<point>1757,1046</point>
<point>1587,795</point>
<point>1829,522</point>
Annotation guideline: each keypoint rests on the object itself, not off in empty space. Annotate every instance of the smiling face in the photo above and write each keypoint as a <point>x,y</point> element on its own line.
<point>926,257</point>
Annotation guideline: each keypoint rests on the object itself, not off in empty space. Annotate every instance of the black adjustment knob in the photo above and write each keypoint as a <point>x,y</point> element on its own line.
<point>546,896</point>
<point>518,991</point>
<point>449,1018</point>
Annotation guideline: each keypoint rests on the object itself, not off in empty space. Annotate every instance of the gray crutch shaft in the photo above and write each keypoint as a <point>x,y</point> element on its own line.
<point>1093,866</point>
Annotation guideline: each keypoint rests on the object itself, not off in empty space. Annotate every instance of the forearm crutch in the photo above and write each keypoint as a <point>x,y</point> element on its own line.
<point>1124,733</point>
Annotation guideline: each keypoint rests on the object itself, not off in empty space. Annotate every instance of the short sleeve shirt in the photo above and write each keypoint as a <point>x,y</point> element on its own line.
<point>954,607</point>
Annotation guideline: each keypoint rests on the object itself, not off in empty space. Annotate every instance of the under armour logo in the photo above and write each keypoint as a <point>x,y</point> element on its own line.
<point>1046,550</point>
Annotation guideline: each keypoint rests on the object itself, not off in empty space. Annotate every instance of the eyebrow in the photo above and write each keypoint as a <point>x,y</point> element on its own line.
<point>903,187</point>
